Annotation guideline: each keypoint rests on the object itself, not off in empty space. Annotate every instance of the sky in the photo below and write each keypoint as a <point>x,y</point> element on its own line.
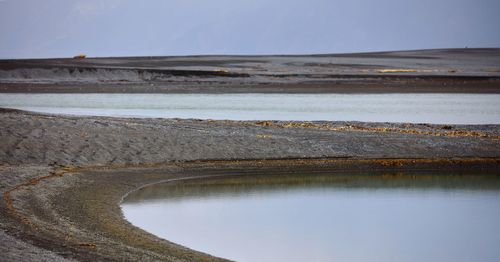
<point>62,28</point>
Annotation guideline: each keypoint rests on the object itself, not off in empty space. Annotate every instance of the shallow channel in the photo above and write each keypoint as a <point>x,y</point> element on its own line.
<point>325,217</point>
<point>408,108</point>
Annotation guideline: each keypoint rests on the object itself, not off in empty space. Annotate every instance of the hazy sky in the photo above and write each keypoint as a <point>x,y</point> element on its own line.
<point>59,28</point>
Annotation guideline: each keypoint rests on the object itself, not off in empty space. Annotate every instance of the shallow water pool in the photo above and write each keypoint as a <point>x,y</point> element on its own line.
<point>324,217</point>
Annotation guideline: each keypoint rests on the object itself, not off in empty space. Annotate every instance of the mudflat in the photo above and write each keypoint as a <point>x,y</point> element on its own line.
<point>62,177</point>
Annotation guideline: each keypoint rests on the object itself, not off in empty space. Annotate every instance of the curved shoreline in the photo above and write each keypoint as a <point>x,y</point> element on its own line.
<point>81,216</point>
<point>64,177</point>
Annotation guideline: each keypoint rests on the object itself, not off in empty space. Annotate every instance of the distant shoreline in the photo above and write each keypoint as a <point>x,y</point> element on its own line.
<point>422,71</point>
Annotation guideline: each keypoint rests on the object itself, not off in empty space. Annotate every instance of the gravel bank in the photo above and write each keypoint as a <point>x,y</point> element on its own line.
<point>63,177</point>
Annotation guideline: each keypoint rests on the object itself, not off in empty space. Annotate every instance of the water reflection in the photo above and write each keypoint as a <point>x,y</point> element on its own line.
<point>322,217</point>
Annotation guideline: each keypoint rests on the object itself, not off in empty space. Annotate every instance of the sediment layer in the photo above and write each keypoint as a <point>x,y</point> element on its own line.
<point>443,70</point>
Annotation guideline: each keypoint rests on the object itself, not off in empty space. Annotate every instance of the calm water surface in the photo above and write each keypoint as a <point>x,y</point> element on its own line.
<point>411,108</point>
<point>327,217</point>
